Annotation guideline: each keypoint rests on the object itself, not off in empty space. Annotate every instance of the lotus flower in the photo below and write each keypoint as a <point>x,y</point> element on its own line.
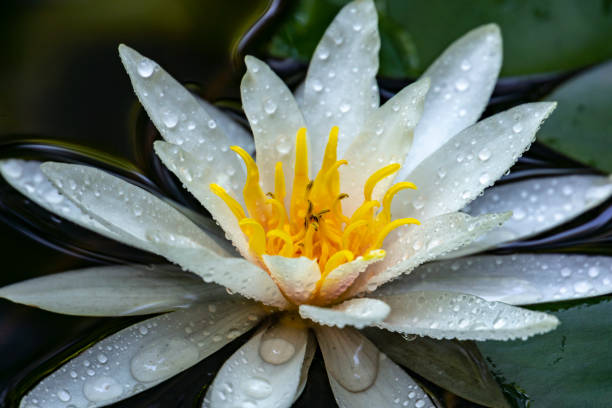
<point>321,221</point>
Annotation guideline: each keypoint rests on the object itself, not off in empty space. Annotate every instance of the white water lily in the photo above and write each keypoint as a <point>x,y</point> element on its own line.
<point>314,246</point>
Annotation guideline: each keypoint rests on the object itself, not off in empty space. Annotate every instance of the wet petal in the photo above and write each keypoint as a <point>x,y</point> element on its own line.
<point>236,134</point>
<point>537,204</point>
<point>470,162</point>
<point>343,276</point>
<point>118,290</point>
<point>341,87</point>
<point>393,387</point>
<point>446,315</point>
<point>453,365</point>
<point>178,115</point>
<point>422,243</point>
<point>143,355</point>
<point>236,274</point>
<point>128,210</point>
<point>274,117</point>
<point>515,279</point>
<point>311,349</point>
<point>462,80</point>
<point>296,277</point>
<point>196,176</point>
<point>385,138</point>
<point>350,359</point>
<point>358,312</point>
<point>248,378</point>
<point>27,178</point>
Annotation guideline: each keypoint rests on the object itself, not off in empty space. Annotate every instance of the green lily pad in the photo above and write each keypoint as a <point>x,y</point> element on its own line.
<point>569,367</point>
<point>581,127</point>
<point>539,36</point>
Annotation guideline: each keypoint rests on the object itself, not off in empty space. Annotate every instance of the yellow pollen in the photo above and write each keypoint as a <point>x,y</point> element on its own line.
<point>311,223</point>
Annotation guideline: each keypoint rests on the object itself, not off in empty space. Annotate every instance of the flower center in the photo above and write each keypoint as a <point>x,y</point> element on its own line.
<point>311,223</point>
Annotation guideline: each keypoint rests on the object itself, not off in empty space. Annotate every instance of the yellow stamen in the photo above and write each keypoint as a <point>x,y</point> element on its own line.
<point>279,182</point>
<point>254,197</point>
<point>231,203</point>
<point>346,235</point>
<point>287,249</point>
<point>390,227</point>
<point>385,214</point>
<point>376,177</point>
<point>313,224</point>
<point>256,234</point>
<point>339,258</point>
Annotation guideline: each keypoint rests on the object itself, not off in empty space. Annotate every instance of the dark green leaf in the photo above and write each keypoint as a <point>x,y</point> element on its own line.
<point>581,127</point>
<point>539,35</point>
<point>569,367</point>
<point>454,365</point>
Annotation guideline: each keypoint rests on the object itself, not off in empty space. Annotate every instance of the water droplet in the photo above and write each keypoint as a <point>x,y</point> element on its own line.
<point>345,107</point>
<point>465,65</point>
<point>212,124</point>
<point>145,67</point>
<point>102,389</point>
<point>517,128</point>
<point>484,154</point>
<point>484,179</point>
<point>63,395</point>
<point>499,323</point>
<point>163,358</point>
<point>565,272</point>
<point>323,53</point>
<point>169,118</point>
<point>582,287</point>
<point>270,106</point>
<point>191,125</point>
<point>102,359</point>
<point>12,168</point>
<point>593,271</point>
<point>462,84</point>
<point>419,403</point>
<point>258,388</point>
<point>143,330</point>
<point>316,85</point>
<point>357,27</point>
<point>276,350</point>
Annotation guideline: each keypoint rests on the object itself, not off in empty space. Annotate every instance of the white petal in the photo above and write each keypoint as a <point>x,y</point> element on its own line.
<point>422,243</point>
<point>470,162</point>
<point>537,204</point>
<point>275,119</point>
<point>197,175</point>
<point>385,138</point>
<point>114,291</point>
<point>311,349</point>
<point>358,312</point>
<point>339,279</point>
<point>341,87</point>
<point>350,358</point>
<point>143,355</point>
<point>462,80</point>
<point>27,178</point>
<point>393,387</point>
<point>178,115</point>
<point>248,380</point>
<point>236,134</point>
<point>236,274</point>
<point>445,315</point>
<point>514,279</point>
<point>296,277</point>
<point>128,210</point>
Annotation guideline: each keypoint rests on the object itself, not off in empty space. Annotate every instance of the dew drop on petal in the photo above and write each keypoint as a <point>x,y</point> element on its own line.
<point>258,388</point>
<point>145,68</point>
<point>163,358</point>
<point>103,388</point>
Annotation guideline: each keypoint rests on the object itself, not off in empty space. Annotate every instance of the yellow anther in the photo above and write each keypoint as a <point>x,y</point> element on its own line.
<point>254,197</point>
<point>231,203</point>
<point>287,250</point>
<point>279,182</point>
<point>376,177</point>
<point>346,235</point>
<point>337,259</point>
<point>385,214</point>
<point>390,227</point>
<point>256,234</point>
